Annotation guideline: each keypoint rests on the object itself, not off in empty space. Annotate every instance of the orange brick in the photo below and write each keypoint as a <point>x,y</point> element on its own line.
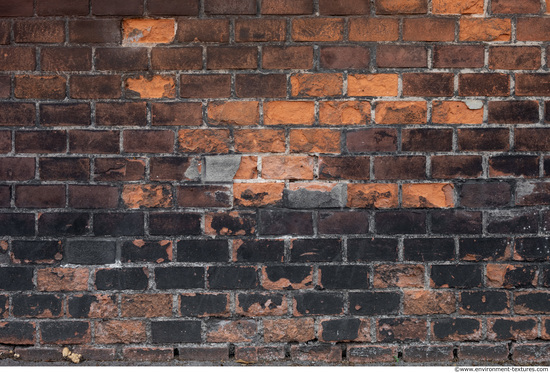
<point>289,112</point>
<point>425,302</point>
<point>146,195</point>
<point>242,113</point>
<point>398,275</point>
<point>204,141</point>
<point>456,112</point>
<point>149,30</point>
<point>401,6</point>
<point>428,29</point>
<point>155,87</point>
<point>287,167</point>
<point>317,85</point>
<point>258,194</point>
<point>344,112</point>
<point>146,305</point>
<point>248,169</point>
<point>317,29</point>
<point>485,29</point>
<point>428,195</point>
<point>260,141</point>
<point>373,29</point>
<point>62,279</point>
<point>289,330</point>
<point>372,195</point>
<point>457,6</point>
<point>117,331</point>
<point>401,112</point>
<point>315,141</point>
<point>372,85</point>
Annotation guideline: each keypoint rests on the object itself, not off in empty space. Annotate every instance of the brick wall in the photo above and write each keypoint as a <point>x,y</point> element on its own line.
<point>338,181</point>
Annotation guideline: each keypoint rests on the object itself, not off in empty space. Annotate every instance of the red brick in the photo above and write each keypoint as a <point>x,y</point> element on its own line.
<point>204,196</point>
<point>121,59</point>
<point>121,114</point>
<point>5,86</point>
<point>314,141</point>
<point>117,8</point>
<point>97,31</point>
<point>287,7</point>
<point>45,87</point>
<point>345,57</point>
<point>17,114</point>
<point>399,168</point>
<point>484,85</point>
<point>372,140</point>
<point>205,86</point>
<point>65,115</point>
<point>241,7</point>
<point>373,29</point>
<point>5,141</point>
<point>533,84</point>
<point>40,196</point>
<point>401,6</point>
<point>93,196</point>
<point>176,114</point>
<point>119,169</point>
<point>17,169</point>
<point>203,30</point>
<point>434,84</point>
<point>401,56</point>
<point>512,6</point>
<point>428,29</point>
<point>176,58</point>
<point>344,7</point>
<point>533,29</point>
<point>220,58</point>
<point>38,31</point>
<point>62,279</point>
<point>147,141</point>
<point>17,58</point>
<point>259,141</point>
<point>95,87</point>
<point>57,169</point>
<point>16,8</point>
<point>94,142</point>
<point>173,7</point>
<point>317,29</point>
<point>155,354</point>
<point>459,56</point>
<point>117,331</point>
<point>316,85</point>
<point>485,29</point>
<point>260,30</point>
<point>62,8</point>
<point>66,59</point>
<point>244,113</point>
<point>514,58</point>
<point>204,141</point>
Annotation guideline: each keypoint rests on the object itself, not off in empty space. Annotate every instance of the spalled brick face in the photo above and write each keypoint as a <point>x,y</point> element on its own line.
<point>275,181</point>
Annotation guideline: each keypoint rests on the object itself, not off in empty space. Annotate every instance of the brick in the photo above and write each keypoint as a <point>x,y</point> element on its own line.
<point>66,59</point>
<point>531,29</point>
<point>530,352</point>
<point>204,196</point>
<point>314,141</point>
<point>12,8</point>
<point>518,166</point>
<point>372,139</point>
<point>484,249</point>
<point>64,115</point>
<point>174,223</point>
<point>202,251</point>
<point>109,8</point>
<point>458,56</point>
<point>401,56</point>
<point>17,114</point>
<point>253,194</point>
<point>255,85</point>
<point>203,30</point>
<point>17,169</point>
<point>401,330</point>
<point>233,113</point>
<point>373,29</point>
<point>489,194</point>
<point>204,305</point>
<point>315,250</point>
<point>344,112</point>
<point>45,87</point>
<point>510,6</point>
<point>531,139</point>
<point>449,167</point>
<point>172,168</point>
<point>259,141</point>
<point>65,332</point>
<point>146,251</point>
<point>419,354</point>
<point>17,58</point>
<point>17,333</point>
<point>158,86</point>
<point>155,354</point>
<point>267,304</point>
<point>94,142</point>
<point>402,222</point>
<point>456,329</point>
<point>457,112</point>
<point>289,112</point>
<point>16,224</point>
<point>428,29</point>
<point>289,330</point>
<point>119,169</point>
<point>400,167</point>
<point>401,7</point>
<point>204,141</point>
<point>428,302</point>
<point>116,331</point>
<point>121,59</point>
<point>457,7</point>
<point>287,167</point>
<point>316,85</point>
<point>121,279</point>
<point>287,7</point>
<point>40,142</point>
<point>5,86</point>
<point>226,278</point>
<point>90,252</point>
<point>95,31</point>
<point>484,85</point>
<point>147,141</point>
<point>345,57</point>
<point>93,196</point>
<point>38,31</point>
<point>485,29</point>
<point>234,223</point>
<point>62,279</point>
<point>335,168</point>
<point>401,112</point>
<point>343,277</point>
<point>371,354</point>
<point>511,276</point>
<point>16,278</point>
<point>426,140</point>
<point>62,8</point>
<point>531,249</point>
<point>208,86</point>
<point>260,30</point>
<point>273,222</point>
<point>232,331</point>
<point>278,277</point>
<point>458,276</point>
<point>173,8</point>
<point>483,302</point>
<point>374,303</point>
<point>40,196</point>
<point>315,303</point>
<point>428,249</point>
<point>483,352</point>
<point>286,58</point>
<point>176,58</point>
<point>531,302</point>
<point>177,331</point>
<point>372,85</point>
<point>487,139</point>
<point>532,84</point>
<point>514,58</point>
<point>37,305</point>
<point>372,195</point>
<point>121,114</point>
<point>245,7</point>
<point>146,195</point>
<point>402,276</point>
<point>258,250</point>
<point>95,87</point>
<point>317,29</point>
<point>57,169</point>
<point>438,195</point>
<point>419,84</point>
<point>222,58</point>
